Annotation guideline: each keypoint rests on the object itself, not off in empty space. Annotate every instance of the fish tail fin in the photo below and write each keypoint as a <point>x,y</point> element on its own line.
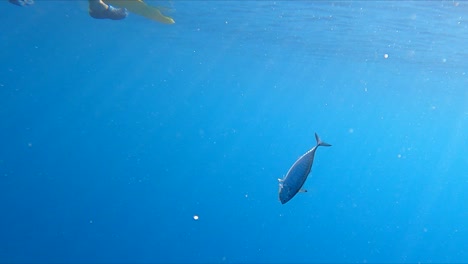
<point>320,142</point>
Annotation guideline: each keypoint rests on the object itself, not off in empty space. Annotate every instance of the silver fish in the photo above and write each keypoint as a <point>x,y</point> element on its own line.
<point>297,174</point>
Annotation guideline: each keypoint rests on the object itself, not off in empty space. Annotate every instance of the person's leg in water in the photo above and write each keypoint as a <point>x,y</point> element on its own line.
<point>98,9</point>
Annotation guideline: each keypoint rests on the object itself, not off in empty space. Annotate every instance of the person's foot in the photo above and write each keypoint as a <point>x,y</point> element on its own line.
<point>22,2</point>
<point>110,12</point>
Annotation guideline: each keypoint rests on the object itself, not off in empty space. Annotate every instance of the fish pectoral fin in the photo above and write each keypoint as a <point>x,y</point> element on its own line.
<point>303,190</point>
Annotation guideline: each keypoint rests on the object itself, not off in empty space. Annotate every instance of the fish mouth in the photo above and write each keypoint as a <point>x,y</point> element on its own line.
<point>282,202</point>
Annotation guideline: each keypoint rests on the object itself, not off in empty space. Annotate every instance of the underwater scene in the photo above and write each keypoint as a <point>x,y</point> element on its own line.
<point>233,131</point>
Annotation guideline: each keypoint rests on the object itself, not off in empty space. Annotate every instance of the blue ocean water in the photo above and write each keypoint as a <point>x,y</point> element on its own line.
<point>132,141</point>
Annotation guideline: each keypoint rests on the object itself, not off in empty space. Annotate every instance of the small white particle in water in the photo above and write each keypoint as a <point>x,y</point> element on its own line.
<point>90,221</point>
<point>351,130</point>
<point>399,156</point>
<point>195,217</point>
<point>385,56</point>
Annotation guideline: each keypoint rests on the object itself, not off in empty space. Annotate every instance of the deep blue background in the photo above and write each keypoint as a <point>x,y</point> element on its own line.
<point>115,134</point>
